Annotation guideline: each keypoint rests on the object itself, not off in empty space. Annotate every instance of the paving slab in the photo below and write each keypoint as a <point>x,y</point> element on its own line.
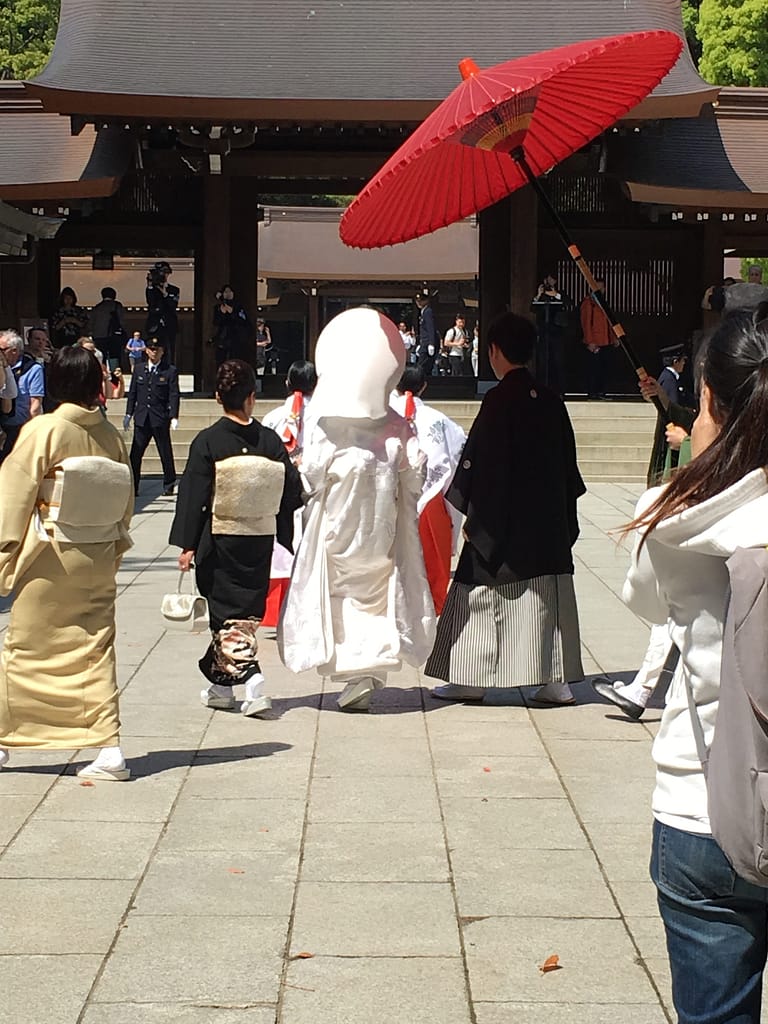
<point>214,884</point>
<point>55,916</point>
<point>552,883</point>
<point>381,989</point>
<point>375,852</point>
<point>480,775</point>
<point>49,989</point>
<point>367,798</point>
<point>179,1013</point>
<point>236,825</point>
<point>504,956</point>
<point>568,1013</point>
<point>489,824</point>
<point>213,960</point>
<point>147,799</point>
<point>14,811</point>
<point>373,919</point>
<point>80,849</point>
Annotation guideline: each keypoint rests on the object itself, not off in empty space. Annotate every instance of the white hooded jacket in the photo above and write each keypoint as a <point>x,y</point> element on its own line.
<point>680,576</point>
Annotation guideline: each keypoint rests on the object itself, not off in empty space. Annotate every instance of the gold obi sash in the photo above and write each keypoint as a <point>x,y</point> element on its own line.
<point>84,499</point>
<point>247,495</point>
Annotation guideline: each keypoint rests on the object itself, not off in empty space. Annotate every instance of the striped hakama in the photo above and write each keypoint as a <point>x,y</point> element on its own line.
<point>524,633</point>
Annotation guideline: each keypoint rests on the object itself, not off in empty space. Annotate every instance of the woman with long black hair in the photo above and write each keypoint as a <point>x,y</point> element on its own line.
<point>715,921</point>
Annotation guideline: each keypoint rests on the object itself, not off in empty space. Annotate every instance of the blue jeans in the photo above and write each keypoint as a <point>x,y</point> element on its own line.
<point>716,929</point>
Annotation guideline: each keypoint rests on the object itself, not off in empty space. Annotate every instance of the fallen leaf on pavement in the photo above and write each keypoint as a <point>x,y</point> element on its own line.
<point>486,769</point>
<point>303,956</point>
<point>236,871</point>
<point>552,963</point>
<point>86,782</point>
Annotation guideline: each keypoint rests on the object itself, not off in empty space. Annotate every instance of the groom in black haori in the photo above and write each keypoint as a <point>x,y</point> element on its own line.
<point>510,618</point>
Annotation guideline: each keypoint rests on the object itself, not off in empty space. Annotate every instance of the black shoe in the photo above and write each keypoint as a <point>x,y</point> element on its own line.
<point>169,490</point>
<point>603,686</point>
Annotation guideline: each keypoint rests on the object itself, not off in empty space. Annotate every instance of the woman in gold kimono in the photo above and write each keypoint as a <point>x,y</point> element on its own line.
<point>66,500</point>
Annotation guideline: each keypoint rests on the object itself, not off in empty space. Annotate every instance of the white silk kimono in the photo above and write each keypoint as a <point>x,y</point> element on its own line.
<point>358,603</point>
<point>442,441</point>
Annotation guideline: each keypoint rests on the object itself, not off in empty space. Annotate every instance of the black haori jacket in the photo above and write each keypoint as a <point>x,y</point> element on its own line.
<point>517,483</point>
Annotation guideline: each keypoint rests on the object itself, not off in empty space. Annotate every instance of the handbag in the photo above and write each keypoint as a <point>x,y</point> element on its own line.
<point>185,613</point>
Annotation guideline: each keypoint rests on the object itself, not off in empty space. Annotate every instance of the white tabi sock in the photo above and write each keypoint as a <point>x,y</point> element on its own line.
<point>109,757</point>
<point>4,757</point>
<point>635,692</point>
<point>254,686</point>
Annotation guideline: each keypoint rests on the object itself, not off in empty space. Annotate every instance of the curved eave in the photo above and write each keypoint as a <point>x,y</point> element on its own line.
<point>41,159</point>
<point>91,188</point>
<point>699,198</point>
<point>211,108</point>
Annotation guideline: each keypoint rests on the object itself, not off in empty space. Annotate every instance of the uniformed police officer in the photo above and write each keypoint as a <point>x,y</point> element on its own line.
<point>153,403</point>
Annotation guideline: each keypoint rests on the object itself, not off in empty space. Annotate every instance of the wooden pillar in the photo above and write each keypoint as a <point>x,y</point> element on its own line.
<point>214,270</point>
<point>524,232</point>
<point>48,266</point>
<point>494,273</point>
<point>711,264</point>
<point>313,324</point>
<point>244,243</point>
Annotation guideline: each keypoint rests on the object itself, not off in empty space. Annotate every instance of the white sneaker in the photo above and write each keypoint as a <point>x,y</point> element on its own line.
<point>356,695</point>
<point>4,757</point>
<point>218,697</point>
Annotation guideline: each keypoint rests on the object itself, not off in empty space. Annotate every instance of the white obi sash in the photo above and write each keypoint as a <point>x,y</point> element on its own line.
<point>85,499</point>
<point>247,495</point>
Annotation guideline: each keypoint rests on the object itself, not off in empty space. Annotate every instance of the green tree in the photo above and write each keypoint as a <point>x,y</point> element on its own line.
<point>27,32</point>
<point>691,24</point>
<point>734,41</point>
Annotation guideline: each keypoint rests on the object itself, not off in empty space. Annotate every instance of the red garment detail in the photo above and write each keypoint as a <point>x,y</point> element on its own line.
<point>293,426</point>
<point>436,533</point>
<point>410,406</point>
<point>275,596</point>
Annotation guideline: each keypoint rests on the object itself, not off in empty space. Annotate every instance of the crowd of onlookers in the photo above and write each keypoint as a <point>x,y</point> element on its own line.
<point>23,370</point>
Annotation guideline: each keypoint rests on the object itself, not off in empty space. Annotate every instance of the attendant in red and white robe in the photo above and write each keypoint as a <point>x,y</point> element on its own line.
<point>442,442</point>
<point>288,422</point>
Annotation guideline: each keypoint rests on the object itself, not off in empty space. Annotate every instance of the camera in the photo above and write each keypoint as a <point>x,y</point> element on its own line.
<point>158,273</point>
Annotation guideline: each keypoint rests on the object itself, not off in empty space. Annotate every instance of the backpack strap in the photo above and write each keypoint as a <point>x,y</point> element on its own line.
<point>702,750</point>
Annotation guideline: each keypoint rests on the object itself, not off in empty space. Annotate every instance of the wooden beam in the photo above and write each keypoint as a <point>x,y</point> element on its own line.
<point>495,272</point>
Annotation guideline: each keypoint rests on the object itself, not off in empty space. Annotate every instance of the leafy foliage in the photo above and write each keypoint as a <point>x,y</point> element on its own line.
<point>759,261</point>
<point>690,24</point>
<point>734,40</point>
<point>27,32</point>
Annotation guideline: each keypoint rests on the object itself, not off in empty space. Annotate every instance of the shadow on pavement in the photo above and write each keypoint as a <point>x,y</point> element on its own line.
<point>157,761</point>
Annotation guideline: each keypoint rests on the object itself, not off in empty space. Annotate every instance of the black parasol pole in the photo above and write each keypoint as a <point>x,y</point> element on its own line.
<point>575,253</point>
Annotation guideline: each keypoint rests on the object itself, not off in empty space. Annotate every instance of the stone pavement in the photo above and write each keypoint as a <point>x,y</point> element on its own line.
<point>413,866</point>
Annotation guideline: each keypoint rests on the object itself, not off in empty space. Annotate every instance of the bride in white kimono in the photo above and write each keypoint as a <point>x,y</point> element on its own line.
<point>358,605</point>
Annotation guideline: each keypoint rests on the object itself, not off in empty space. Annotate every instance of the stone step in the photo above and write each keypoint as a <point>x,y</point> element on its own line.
<point>613,439</point>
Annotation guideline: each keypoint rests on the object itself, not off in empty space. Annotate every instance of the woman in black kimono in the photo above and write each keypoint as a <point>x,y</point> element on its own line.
<point>510,618</point>
<point>238,492</point>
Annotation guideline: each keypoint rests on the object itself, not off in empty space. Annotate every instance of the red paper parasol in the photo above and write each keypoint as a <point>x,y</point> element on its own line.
<point>499,130</point>
<point>547,105</point>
